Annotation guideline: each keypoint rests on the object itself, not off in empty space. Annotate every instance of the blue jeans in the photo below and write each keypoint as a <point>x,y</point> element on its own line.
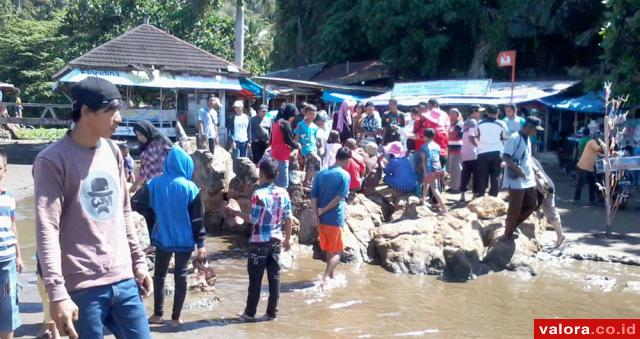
<point>241,150</point>
<point>283,174</point>
<point>117,306</point>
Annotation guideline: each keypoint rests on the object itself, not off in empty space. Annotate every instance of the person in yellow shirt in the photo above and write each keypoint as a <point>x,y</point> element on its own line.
<point>586,169</point>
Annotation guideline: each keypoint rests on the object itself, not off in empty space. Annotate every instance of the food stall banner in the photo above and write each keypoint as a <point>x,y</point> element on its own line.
<point>442,87</point>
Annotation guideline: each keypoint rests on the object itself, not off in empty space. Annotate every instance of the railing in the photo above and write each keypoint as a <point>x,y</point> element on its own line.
<point>47,109</point>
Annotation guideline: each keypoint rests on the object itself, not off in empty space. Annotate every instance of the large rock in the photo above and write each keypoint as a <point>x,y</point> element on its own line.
<point>410,208</point>
<point>363,216</point>
<point>213,173</point>
<point>499,253</point>
<point>416,245</point>
<point>242,186</point>
<point>488,207</point>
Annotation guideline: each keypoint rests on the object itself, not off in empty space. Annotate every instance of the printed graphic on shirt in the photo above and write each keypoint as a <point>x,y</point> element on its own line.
<point>99,195</point>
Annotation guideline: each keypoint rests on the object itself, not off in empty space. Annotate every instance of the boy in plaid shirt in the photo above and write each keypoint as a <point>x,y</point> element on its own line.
<point>270,210</point>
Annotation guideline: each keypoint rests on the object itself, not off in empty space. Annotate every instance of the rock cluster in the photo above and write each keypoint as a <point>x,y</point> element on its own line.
<point>398,232</point>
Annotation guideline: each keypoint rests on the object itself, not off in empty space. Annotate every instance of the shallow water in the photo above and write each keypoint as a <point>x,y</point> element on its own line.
<point>366,301</point>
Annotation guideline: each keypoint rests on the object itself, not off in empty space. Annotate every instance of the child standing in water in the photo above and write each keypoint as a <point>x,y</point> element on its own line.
<point>271,220</point>
<point>10,259</point>
<point>430,154</point>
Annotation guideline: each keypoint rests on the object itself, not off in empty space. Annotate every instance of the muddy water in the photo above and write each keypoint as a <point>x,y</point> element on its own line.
<point>366,301</point>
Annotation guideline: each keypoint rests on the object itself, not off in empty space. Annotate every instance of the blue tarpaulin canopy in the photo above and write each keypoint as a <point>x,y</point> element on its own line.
<point>337,97</point>
<point>254,88</point>
<point>589,103</point>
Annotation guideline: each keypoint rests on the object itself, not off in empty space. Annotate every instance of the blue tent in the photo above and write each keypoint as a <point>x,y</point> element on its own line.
<point>337,97</point>
<point>253,87</point>
<point>589,103</point>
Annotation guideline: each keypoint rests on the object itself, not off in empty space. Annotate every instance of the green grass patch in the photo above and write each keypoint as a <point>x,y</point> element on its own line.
<point>41,133</point>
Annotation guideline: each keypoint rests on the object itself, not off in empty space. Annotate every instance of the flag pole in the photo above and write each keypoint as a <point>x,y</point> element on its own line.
<point>513,77</point>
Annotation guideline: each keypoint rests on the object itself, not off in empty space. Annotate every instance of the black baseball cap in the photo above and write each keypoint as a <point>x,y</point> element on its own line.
<point>534,122</point>
<point>94,92</point>
<point>493,109</point>
<point>422,104</point>
<point>476,107</point>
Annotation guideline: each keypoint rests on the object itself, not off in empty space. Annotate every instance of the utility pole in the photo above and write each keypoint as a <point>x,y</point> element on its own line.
<point>239,41</point>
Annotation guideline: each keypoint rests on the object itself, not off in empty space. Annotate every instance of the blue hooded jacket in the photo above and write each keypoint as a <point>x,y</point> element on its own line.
<point>176,202</point>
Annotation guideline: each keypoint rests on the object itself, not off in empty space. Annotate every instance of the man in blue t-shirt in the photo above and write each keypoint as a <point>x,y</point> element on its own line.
<point>207,121</point>
<point>519,176</point>
<point>328,200</point>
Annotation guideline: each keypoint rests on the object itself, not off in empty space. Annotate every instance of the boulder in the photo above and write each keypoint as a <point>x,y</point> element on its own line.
<point>410,208</point>
<point>417,246</point>
<point>410,246</point>
<point>213,173</point>
<point>363,216</point>
<point>488,207</point>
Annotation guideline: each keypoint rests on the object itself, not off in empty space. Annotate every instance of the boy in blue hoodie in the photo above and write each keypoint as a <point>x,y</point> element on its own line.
<point>175,201</point>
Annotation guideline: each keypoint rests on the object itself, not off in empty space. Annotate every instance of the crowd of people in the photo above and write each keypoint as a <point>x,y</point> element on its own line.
<point>93,270</point>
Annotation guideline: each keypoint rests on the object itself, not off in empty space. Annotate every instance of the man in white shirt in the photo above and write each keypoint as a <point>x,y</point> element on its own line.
<point>207,122</point>
<point>469,151</point>
<point>239,130</point>
<point>490,135</point>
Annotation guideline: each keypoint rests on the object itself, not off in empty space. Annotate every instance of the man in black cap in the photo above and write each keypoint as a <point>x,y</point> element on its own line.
<point>490,136</point>
<point>92,264</point>
<point>519,176</point>
<point>259,133</point>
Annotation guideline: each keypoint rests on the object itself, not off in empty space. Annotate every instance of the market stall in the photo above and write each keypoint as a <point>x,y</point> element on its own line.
<point>163,79</point>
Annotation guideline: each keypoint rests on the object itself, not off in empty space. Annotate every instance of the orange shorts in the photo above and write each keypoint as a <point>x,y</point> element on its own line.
<point>330,238</point>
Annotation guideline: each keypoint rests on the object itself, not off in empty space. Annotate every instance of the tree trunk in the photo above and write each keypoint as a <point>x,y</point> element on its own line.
<point>476,69</point>
<point>239,41</point>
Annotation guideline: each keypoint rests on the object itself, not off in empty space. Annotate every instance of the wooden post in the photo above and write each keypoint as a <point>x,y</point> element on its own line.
<point>546,130</point>
<point>575,122</point>
<point>607,175</point>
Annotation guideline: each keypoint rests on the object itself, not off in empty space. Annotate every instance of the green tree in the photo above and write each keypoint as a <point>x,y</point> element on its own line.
<point>621,44</point>
<point>30,53</point>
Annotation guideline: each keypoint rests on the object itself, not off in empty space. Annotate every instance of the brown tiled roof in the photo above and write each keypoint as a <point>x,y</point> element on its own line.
<point>146,46</point>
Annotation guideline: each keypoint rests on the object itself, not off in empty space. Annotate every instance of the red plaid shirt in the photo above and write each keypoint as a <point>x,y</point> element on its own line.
<point>152,159</point>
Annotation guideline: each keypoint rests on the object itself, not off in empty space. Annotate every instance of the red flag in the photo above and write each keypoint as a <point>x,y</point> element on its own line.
<point>506,59</point>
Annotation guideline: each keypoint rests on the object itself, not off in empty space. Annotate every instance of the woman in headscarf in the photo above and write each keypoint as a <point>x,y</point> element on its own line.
<point>283,142</point>
<point>343,120</point>
<point>154,149</point>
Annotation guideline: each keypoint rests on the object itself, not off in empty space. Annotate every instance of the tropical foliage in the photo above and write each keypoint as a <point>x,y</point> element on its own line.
<point>417,39</point>
<point>38,37</point>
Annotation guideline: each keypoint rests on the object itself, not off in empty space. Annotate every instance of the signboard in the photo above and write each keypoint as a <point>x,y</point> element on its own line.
<point>154,78</point>
<point>441,88</point>
<point>163,119</point>
<point>506,59</point>
<point>619,164</point>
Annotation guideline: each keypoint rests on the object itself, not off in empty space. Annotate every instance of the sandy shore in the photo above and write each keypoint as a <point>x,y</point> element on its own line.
<point>19,181</point>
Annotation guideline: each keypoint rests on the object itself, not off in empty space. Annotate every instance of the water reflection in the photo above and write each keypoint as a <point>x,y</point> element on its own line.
<point>367,302</point>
